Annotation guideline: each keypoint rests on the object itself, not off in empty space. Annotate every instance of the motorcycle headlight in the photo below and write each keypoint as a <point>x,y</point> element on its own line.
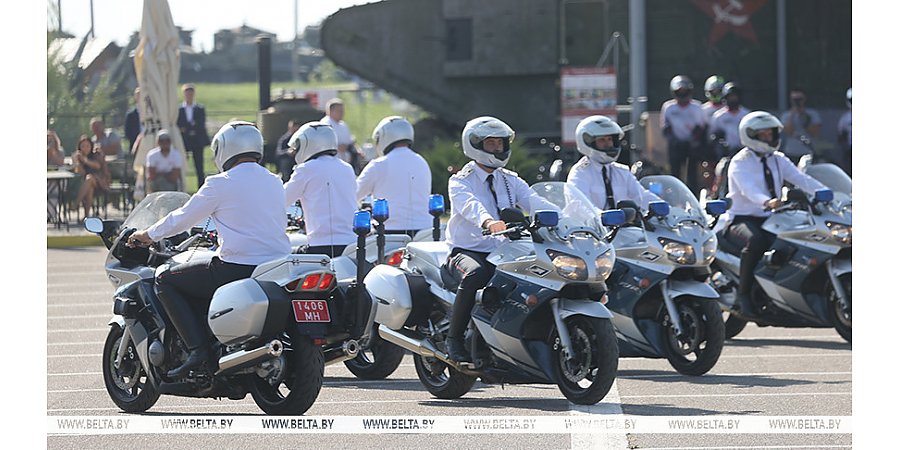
<point>841,232</point>
<point>678,252</point>
<point>568,266</point>
<point>604,264</point>
<point>709,249</point>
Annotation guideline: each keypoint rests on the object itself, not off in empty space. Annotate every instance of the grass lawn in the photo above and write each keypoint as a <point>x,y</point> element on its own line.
<point>223,102</point>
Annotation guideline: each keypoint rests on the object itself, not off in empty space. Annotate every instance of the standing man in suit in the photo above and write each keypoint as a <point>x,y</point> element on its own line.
<point>192,123</point>
<point>133,121</point>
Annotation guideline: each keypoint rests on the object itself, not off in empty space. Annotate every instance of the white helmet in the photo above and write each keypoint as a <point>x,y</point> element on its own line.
<point>680,82</point>
<point>481,128</point>
<point>750,126</point>
<point>235,139</point>
<point>389,131</point>
<point>311,139</point>
<point>589,129</point>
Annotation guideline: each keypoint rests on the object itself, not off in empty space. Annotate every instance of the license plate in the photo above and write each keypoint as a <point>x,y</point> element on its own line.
<point>311,311</point>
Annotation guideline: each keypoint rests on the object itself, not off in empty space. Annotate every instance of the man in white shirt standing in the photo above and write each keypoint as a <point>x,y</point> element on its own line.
<point>246,204</point>
<point>398,175</point>
<point>725,122</point>
<point>684,126</point>
<point>597,175</point>
<point>164,165</point>
<point>477,194</point>
<point>326,188</point>
<point>756,175</point>
<point>334,116</point>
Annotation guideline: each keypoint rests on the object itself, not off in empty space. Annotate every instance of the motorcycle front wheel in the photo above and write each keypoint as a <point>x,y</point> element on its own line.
<point>292,388</point>
<point>378,361</point>
<point>698,347</point>
<point>588,376</point>
<point>842,320</point>
<point>127,385</point>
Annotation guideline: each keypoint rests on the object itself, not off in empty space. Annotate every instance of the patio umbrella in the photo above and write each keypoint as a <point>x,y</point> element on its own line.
<point>157,62</point>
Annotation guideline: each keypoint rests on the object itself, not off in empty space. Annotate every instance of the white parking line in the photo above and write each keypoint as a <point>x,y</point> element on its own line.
<point>67,305</point>
<point>748,447</point>
<point>88,316</point>
<point>746,374</point>
<point>610,407</point>
<point>792,394</point>
<point>78,330</point>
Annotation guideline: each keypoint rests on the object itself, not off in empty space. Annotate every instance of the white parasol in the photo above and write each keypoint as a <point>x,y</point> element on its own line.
<point>157,62</point>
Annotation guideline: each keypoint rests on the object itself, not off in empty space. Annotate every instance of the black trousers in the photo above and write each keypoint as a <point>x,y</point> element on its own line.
<point>197,156</point>
<point>185,291</point>
<point>331,250</point>
<point>683,155</point>
<point>473,272</point>
<point>746,233</point>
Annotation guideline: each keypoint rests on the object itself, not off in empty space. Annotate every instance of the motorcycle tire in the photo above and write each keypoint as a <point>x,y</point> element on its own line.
<point>441,380</point>
<point>378,361</point>
<point>589,376</point>
<point>733,326</point>
<point>128,386</point>
<point>842,321</point>
<point>294,389</point>
<point>704,336</point>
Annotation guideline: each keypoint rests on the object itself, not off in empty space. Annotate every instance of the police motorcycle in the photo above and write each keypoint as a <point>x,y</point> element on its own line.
<point>659,293</point>
<point>540,319</point>
<point>379,359</point>
<point>805,279</point>
<point>274,332</point>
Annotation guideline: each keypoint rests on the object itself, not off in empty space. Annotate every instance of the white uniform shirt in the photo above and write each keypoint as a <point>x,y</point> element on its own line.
<point>710,108</point>
<point>726,122</point>
<point>683,119</point>
<point>340,129</point>
<point>403,178</point>
<point>326,189</point>
<point>163,163</point>
<point>246,204</point>
<point>747,182</point>
<point>587,176</point>
<point>471,203</point>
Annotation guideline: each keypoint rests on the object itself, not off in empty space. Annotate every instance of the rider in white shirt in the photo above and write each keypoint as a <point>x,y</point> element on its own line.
<point>755,178</point>
<point>325,187</point>
<point>246,204</point>
<point>398,175</point>
<point>597,174</point>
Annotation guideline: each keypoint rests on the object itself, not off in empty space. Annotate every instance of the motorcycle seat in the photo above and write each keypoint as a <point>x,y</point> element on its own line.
<point>428,258</point>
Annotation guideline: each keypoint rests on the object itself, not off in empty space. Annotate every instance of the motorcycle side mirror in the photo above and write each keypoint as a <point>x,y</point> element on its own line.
<point>716,207</point>
<point>823,195</point>
<point>556,170</point>
<point>512,215</point>
<point>93,224</point>
<point>546,219</point>
<point>436,205</point>
<point>612,217</point>
<point>362,223</point>
<point>659,208</point>
<point>380,211</point>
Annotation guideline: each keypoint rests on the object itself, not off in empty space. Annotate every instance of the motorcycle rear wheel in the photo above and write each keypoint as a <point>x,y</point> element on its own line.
<point>441,380</point>
<point>842,321</point>
<point>698,350</point>
<point>734,325</point>
<point>378,361</point>
<point>128,386</point>
<point>294,389</point>
<point>589,376</point>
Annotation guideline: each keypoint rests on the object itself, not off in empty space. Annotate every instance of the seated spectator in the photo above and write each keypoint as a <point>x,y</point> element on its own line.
<point>90,162</point>
<point>110,142</point>
<point>164,165</point>
<point>55,155</point>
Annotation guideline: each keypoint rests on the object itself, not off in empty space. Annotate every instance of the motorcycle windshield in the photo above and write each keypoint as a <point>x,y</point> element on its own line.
<point>831,176</point>
<point>576,212</point>
<point>154,207</point>
<point>682,202</point>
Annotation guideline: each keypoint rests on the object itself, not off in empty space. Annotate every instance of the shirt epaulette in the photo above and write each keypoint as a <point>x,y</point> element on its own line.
<point>583,162</point>
<point>463,173</point>
<point>508,172</point>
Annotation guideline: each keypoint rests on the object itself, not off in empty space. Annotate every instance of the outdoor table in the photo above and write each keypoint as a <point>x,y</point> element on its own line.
<point>57,179</point>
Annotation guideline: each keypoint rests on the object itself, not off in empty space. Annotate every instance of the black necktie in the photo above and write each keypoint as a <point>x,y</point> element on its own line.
<point>770,181</point>
<point>490,183</point>
<point>610,202</point>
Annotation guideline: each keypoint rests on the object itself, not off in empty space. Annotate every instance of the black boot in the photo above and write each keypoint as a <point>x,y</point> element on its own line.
<point>459,320</point>
<point>744,300</point>
<point>192,332</point>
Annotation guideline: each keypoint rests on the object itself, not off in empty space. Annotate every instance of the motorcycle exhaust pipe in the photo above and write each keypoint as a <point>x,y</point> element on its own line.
<point>348,350</point>
<point>417,346</point>
<point>241,359</point>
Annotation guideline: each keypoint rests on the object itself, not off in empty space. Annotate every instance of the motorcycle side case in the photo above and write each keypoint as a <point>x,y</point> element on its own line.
<point>390,290</point>
<point>244,310</point>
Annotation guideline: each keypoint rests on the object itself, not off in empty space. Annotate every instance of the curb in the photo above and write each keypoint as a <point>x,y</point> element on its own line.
<point>73,241</point>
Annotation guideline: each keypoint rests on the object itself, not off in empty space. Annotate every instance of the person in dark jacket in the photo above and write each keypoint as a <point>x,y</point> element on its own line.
<point>192,123</point>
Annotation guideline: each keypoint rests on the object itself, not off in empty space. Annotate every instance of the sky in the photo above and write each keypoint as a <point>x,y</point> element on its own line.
<point>116,20</point>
